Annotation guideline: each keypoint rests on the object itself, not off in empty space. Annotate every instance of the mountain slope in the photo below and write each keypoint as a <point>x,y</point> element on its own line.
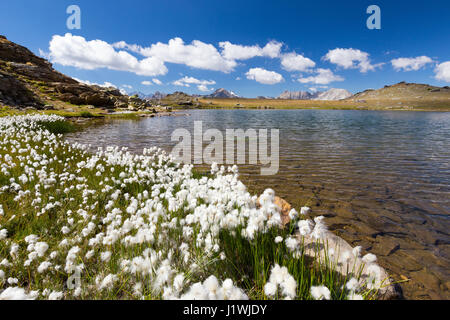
<point>404,90</point>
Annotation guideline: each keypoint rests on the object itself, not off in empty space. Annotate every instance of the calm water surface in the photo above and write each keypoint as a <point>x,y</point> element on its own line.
<point>381,178</point>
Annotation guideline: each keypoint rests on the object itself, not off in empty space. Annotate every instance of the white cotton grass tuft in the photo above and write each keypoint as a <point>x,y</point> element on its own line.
<point>41,248</point>
<point>44,266</point>
<point>106,256</point>
<point>293,214</point>
<point>292,243</point>
<point>320,293</point>
<point>270,289</point>
<point>357,251</point>
<point>16,293</point>
<point>305,227</point>
<point>3,234</point>
<point>108,282</point>
<point>352,284</point>
<point>369,258</point>
<point>55,295</point>
<point>355,296</point>
<point>320,229</point>
<point>281,282</point>
<point>211,289</point>
<point>305,211</point>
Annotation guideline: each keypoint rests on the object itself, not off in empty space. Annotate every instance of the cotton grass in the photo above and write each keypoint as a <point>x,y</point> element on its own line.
<point>117,225</point>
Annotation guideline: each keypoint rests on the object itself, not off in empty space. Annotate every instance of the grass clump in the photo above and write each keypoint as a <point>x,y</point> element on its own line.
<point>86,114</point>
<point>57,127</point>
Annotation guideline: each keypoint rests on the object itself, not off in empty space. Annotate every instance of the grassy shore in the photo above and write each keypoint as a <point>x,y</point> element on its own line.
<point>406,104</point>
<point>122,226</point>
<point>77,112</point>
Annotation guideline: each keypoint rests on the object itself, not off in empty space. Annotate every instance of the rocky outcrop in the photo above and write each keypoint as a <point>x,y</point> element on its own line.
<point>14,93</point>
<point>179,98</point>
<point>28,80</point>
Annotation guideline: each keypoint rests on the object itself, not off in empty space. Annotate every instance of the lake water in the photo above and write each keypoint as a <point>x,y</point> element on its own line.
<point>381,178</point>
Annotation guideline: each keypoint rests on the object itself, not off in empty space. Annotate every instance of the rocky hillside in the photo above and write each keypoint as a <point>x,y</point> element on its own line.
<point>404,90</point>
<point>28,81</point>
<point>180,99</point>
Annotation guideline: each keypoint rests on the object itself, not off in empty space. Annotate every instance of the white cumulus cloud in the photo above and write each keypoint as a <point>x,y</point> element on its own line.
<point>157,81</point>
<point>296,62</point>
<point>410,64</point>
<point>76,51</point>
<point>351,59</point>
<point>323,76</point>
<point>264,76</point>
<point>443,71</point>
<point>204,88</point>
<point>202,85</point>
<point>233,52</point>
<point>196,55</point>
<point>146,83</point>
<point>89,83</point>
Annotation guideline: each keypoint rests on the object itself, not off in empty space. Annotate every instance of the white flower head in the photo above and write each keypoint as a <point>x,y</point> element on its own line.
<point>320,293</point>
<point>305,210</point>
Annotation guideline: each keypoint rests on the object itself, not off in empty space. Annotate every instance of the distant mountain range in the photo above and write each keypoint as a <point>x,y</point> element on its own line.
<point>296,95</point>
<point>222,94</point>
<point>332,94</point>
<point>151,96</point>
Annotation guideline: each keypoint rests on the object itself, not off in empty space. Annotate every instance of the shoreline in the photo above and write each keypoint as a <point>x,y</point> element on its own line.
<point>406,104</point>
<point>443,109</point>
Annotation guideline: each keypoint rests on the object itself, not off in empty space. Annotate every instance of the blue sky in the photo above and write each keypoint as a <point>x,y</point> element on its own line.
<point>231,37</point>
